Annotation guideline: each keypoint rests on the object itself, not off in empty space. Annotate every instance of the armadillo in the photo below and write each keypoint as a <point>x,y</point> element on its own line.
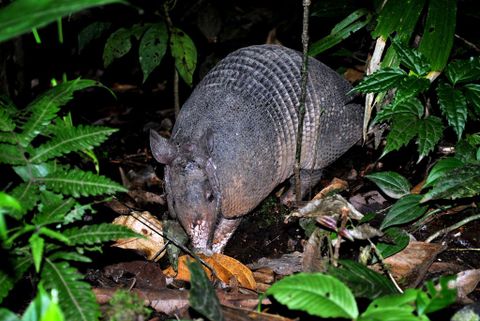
<point>234,140</point>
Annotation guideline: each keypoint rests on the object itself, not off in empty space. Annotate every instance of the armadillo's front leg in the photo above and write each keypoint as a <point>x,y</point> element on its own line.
<point>223,232</point>
<point>308,180</point>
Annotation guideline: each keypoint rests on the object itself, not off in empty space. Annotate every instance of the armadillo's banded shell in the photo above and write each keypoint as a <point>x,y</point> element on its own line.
<point>271,76</point>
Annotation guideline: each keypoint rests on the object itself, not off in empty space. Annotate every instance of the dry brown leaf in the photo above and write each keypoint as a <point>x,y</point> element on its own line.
<point>152,246</point>
<point>335,186</point>
<point>225,268</point>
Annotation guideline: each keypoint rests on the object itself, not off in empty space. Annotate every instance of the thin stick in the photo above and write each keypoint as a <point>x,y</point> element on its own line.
<point>301,108</point>
<point>452,228</point>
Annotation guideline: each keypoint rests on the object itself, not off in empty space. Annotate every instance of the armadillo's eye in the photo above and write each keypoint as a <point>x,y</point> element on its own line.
<point>210,197</point>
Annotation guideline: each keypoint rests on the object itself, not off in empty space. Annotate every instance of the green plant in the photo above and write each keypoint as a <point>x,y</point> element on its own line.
<point>126,306</point>
<point>37,215</point>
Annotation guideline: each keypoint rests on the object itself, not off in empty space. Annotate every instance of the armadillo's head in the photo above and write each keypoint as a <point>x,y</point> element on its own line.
<point>192,188</point>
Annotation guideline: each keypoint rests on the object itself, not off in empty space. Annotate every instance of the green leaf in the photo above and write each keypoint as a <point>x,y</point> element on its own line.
<point>54,235</point>
<point>9,202</point>
<point>466,150</point>
<point>45,108</point>
<point>404,129</point>
<point>28,195</point>
<point>364,282</point>
<point>391,183</point>
<point>77,183</point>
<point>202,295</point>
<point>405,210</point>
<point>440,169</point>
<point>400,241</point>
<point>78,301</point>
<point>53,208</point>
<point>399,16</point>
<point>12,270</point>
<point>43,308</point>
<point>408,107</point>
<point>6,315</point>
<point>22,16</point>
<point>185,54</point>
<point>394,307</point>
<point>69,256</point>
<point>461,71</point>
<point>454,106</point>
<point>410,58</point>
<point>91,32</point>
<point>344,29</point>
<point>410,87</point>
<point>472,93</point>
<point>317,294</point>
<point>37,244</point>
<point>117,46</point>
<point>456,183</point>
<point>438,33</point>
<point>96,234</point>
<point>381,80</point>
<point>437,296</point>
<point>71,139</point>
<point>152,48</point>
<point>430,131</point>
<point>6,121</point>
<point>12,154</point>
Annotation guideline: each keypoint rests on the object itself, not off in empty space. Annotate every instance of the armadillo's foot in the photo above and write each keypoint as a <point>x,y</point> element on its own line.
<point>223,232</point>
<point>308,180</point>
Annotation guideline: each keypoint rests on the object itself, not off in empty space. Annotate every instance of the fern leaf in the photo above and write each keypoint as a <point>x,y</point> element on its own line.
<point>6,121</point>
<point>95,234</point>
<point>71,139</point>
<point>70,256</point>
<point>12,154</point>
<point>53,209</point>
<point>12,270</point>
<point>45,107</point>
<point>8,137</point>
<point>27,195</point>
<point>76,297</point>
<point>77,183</point>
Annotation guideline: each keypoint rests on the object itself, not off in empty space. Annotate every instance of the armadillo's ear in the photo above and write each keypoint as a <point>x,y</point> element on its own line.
<point>207,141</point>
<point>162,149</point>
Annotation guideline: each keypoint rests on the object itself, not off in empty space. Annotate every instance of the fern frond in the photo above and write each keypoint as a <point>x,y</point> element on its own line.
<point>45,108</point>
<point>27,194</point>
<point>95,234</point>
<point>12,270</point>
<point>69,256</point>
<point>12,154</point>
<point>71,139</point>
<point>77,183</point>
<point>75,296</point>
<point>53,208</point>
<point>8,137</point>
<point>6,121</point>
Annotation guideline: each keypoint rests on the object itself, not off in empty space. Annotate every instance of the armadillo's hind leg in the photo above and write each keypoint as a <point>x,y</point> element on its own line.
<point>223,232</point>
<point>308,180</point>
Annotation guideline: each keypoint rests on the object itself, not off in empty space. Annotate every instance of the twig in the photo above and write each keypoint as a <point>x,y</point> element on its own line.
<point>385,268</point>
<point>176,96</point>
<point>452,227</point>
<point>468,43</point>
<point>301,111</point>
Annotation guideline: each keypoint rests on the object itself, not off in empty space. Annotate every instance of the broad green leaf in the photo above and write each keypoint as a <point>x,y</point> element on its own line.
<point>22,16</point>
<point>95,234</point>
<point>408,107</point>
<point>440,169</point>
<point>430,131</point>
<point>71,139</point>
<point>410,87</point>
<point>202,295</point>
<point>91,32</point>
<point>185,54</point>
<point>404,129</point>
<point>117,46</point>
<point>381,80</point>
<point>395,307</point>
<point>77,299</point>
<point>405,210</point>
<point>438,33</point>
<point>472,93</point>
<point>400,241</point>
<point>9,202</point>
<point>437,296</point>
<point>399,16</point>
<point>364,282</point>
<point>391,183</point>
<point>454,106</point>
<point>317,294</point>
<point>45,108</point>
<point>37,245</point>
<point>460,71</point>
<point>152,48</point>
<point>410,58</point>
<point>458,182</point>
<point>77,183</point>
<point>344,29</point>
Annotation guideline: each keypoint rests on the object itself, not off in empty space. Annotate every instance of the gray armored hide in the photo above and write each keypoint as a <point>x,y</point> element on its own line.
<point>234,140</point>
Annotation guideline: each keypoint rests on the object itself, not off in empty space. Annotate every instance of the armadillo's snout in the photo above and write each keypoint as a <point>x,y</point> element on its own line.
<point>200,232</point>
